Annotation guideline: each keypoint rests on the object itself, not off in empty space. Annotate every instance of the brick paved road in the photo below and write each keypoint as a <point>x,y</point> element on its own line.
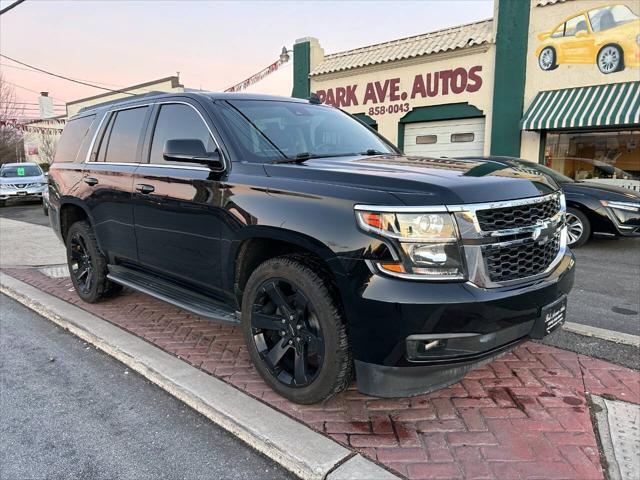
<point>522,416</point>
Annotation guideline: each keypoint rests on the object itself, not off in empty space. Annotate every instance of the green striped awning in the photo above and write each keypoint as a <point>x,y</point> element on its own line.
<point>596,106</point>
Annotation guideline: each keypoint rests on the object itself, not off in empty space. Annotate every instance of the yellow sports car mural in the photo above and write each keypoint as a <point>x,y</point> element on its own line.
<point>608,36</point>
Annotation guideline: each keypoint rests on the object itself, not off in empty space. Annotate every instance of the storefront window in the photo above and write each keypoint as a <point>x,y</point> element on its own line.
<point>610,155</point>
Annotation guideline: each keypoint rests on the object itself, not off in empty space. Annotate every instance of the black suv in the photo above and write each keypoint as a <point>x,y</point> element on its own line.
<point>331,248</point>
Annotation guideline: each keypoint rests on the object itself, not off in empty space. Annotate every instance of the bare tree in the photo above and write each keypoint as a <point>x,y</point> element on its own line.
<point>47,144</point>
<point>11,145</point>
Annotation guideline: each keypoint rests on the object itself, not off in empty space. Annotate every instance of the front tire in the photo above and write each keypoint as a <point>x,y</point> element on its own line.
<point>578,228</point>
<point>610,59</point>
<point>294,330</point>
<point>547,59</point>
<point>87,265</point>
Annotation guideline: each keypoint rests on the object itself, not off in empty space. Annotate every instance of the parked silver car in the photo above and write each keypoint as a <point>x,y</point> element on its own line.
<point>21,180</point>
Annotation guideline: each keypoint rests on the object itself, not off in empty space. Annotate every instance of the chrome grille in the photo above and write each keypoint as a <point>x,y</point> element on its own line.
<point>520,261</point>
<point>517,216</point>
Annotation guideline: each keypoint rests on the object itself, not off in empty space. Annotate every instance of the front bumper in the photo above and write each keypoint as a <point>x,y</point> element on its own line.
<point>32,192</point>
<point>473,326</point>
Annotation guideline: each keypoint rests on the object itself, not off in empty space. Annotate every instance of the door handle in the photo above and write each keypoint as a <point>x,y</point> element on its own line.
<point>144,188</point>
<point>90,180</point>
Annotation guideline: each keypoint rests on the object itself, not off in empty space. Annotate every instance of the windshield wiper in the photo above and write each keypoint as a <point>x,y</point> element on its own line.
<point>304,156</point>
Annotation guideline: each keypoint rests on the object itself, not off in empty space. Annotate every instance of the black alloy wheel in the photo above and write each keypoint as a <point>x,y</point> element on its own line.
<point>80,265</point>
<point>294,329</point>
<point>287,334</point>
<point>87,265</point>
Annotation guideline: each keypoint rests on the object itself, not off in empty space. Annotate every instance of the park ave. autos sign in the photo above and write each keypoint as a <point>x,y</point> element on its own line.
<point>393,96</point>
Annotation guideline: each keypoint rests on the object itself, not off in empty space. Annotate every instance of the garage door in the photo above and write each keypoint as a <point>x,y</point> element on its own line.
<point>445,138</point>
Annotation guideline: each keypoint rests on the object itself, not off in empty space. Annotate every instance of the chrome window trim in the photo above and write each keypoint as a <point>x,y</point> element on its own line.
<point>109,113</point>
<point>215,140</point>
<point>95,137</point>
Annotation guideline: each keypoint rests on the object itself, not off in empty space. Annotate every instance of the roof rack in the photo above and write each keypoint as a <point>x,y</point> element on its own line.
<point>116,101</point>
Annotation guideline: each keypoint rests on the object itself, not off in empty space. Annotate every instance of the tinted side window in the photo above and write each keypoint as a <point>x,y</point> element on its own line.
<point>123,135</point>
<point>73,135</point>
<point>178,121</point>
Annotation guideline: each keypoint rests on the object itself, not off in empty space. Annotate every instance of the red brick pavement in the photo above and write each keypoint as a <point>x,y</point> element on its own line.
<point>522,416</point>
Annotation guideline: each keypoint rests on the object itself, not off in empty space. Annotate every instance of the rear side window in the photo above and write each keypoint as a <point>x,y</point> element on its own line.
<point>73,135</point>
<point>178,122</point>
<point>122,136</point>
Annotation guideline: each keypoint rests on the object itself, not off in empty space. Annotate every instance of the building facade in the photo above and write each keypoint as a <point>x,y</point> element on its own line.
<point>538,81</point>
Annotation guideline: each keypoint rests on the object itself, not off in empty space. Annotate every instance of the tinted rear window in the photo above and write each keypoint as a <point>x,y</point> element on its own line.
<point>124,136</point>
<point>21,171</point>
<point>74,133</point>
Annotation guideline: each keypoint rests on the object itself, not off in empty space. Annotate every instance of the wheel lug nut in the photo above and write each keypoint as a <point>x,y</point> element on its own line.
<point>284,321</point>
<point>282,333</point>
<point>291,317</point>
<point>299,327</point>
<point>290,342</point>
<point>297,339</point>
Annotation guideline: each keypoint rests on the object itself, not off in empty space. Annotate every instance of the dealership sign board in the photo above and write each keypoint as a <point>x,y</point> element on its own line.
<point>394,95</point>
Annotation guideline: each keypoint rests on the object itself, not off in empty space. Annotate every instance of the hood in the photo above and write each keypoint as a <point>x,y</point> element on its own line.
<point>602,191</point>
<point>423,180</point>
<point>21,180</point>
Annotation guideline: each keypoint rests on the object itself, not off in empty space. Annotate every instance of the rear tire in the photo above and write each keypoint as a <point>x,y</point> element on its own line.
<point>87,265</point>
<point>294,330</point>
<point>578,228</point>
<point>610,59</point>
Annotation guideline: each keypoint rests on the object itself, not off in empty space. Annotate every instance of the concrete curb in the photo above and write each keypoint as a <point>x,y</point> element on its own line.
<point>299,449</point>
<point>602,333</point>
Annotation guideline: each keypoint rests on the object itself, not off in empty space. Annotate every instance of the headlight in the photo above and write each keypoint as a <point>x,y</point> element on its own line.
<point>427,242</point>
<point>629,206</point>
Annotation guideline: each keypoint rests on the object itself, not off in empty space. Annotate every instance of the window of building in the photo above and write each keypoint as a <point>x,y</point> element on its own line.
<point>575,25</point>
<point>604,155</point>
<point>122,136</point>
<point>177,121</point>
<point>462,137</point>
<point>74,133</point>
<point>426,139</point>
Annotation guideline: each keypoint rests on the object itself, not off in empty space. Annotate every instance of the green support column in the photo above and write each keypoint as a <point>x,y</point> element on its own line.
<point>510,74</point>
<point>301,69</point>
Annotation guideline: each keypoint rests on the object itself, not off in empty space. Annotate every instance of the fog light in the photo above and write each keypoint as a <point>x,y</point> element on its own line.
<point>427,254</point>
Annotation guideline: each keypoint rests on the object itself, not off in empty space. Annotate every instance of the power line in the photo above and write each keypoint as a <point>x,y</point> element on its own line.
<point>75,79</point>
<point>65,78</point>
<point>13,5</point>
<point>32,91</point>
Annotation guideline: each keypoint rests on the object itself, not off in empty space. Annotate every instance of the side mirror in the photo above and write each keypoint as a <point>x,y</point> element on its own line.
<point>192,151</point>
<point>582,34</point>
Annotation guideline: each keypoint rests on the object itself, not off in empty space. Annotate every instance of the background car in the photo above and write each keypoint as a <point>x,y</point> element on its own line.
<point>593,207</point>
<point>21,181</point>
<point>607,36</point>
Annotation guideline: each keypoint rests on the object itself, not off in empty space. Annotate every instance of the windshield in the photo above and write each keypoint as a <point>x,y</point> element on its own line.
<point>610,17</point>
<point>21,171</point>
<point>270,130</point>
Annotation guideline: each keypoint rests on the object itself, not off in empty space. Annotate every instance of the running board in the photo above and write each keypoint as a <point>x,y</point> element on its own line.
<point>171,293</point>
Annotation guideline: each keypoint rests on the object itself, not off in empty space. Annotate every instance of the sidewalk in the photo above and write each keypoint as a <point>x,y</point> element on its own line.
<point>525,415</point>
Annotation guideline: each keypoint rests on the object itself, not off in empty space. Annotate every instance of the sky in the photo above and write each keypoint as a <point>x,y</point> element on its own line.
<point>213,44</point>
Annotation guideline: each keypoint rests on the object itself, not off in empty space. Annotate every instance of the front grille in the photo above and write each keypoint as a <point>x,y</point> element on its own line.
<point>518,216</point>
<point>521,261</point>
